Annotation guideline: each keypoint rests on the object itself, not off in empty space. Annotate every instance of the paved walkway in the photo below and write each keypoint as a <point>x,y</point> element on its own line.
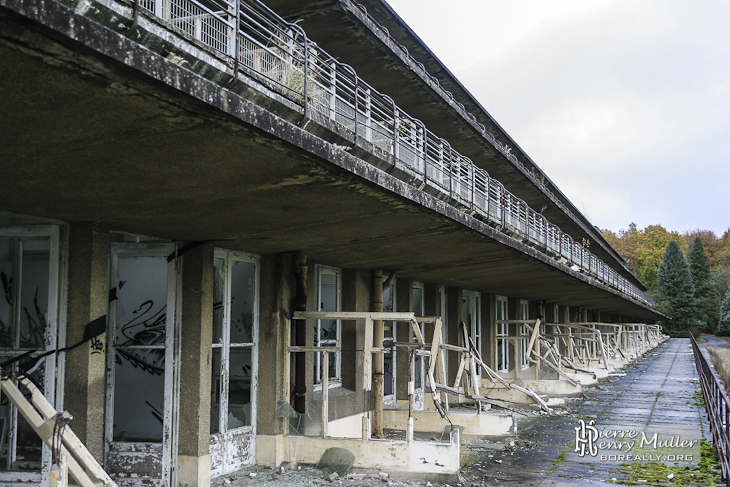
<point>657,394</point>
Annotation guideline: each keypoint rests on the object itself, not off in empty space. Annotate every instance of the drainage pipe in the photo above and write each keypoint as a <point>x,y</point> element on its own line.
<point>300,332</point>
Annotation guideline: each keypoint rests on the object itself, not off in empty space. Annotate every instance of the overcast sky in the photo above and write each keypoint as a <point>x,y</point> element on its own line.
<point>624,104</point>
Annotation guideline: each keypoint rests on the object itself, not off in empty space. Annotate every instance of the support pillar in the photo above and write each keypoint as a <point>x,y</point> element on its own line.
<point>403,332</point>
<point>85,366</point>
<point>195,367</point>
<point>376,297</point>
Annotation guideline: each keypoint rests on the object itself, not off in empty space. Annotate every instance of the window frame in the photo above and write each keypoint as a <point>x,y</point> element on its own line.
<point>502,305</point>
<point>335,381</point>
<point>225,345</point>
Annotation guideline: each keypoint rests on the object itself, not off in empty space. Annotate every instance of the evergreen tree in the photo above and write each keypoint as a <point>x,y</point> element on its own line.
<point>675,282</point>
<point>723,327</point>
<point>699,266</point>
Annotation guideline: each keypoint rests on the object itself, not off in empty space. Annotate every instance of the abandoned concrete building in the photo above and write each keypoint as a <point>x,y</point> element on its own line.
<point>238,233</point>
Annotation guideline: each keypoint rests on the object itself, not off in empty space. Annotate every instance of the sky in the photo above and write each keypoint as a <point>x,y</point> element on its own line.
<point>625,104</point>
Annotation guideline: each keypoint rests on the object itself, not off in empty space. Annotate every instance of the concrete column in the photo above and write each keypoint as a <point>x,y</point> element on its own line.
<point>431,306</point>
<point>489,331</point>
<point>404,302</point>
<point>195,367</point>
<point>278,290</point>
<point>356,286</point>
<point>454,309</point>
<point>84,386</point>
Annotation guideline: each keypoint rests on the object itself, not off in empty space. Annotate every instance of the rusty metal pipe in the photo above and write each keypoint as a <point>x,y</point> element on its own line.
<point>300,333</point>
<point>379,360</point>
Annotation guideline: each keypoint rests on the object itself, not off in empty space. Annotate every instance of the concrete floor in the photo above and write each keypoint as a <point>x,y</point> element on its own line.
<point>657,394</point>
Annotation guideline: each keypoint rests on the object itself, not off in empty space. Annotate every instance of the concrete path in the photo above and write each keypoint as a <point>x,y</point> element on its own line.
<point>657,394</point>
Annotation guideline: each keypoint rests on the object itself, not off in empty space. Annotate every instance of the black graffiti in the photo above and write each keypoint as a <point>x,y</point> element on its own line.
<point>31,334</point>
<point>7,287</point>
<point>97,346</point>
<point>150,361</point>
<point>147,327</point>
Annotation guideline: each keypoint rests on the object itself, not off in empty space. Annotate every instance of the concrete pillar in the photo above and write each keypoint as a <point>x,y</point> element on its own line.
<point>404,302</point>
<point>431,306</point>
<point>277,294</point>
<point>84,386</point>
<point>356,286</point>
<point>455,310</point>
<point>195,367</point>
<point>489,330</point>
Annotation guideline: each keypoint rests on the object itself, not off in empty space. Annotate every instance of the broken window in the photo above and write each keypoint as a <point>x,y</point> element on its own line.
<point>29,268</point>
<point>328,332</point>
<point>473,318</point>
<point>389,362</point>
<point>139,344</point>
<point>502,331</point>
<point>418,310</point>
<point>235,325</point>
<point>524,314</point>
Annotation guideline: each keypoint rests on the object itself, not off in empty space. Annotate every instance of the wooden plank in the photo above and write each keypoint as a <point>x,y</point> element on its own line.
<point>325,392</point>
<point>354,315</point>
<point>367,356</point>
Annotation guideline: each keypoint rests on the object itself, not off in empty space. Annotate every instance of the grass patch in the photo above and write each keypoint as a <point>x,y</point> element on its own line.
<point>720,358</point>
<point>561,458</point>
<point>707,472</point>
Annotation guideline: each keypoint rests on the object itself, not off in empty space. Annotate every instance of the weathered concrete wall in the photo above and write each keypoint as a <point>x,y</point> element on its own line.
<point>455,310</point>
<point>88,297</point>
<point>196,338</point>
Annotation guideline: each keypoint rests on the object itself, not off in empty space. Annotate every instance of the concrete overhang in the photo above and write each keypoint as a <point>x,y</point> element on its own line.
<point>97,126</point>
<point>353,36</point>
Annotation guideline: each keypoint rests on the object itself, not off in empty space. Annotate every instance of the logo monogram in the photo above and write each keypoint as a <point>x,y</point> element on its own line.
<point>585,438</point>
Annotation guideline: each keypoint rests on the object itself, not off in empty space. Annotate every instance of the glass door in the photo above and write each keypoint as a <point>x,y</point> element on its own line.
<point>139,420</point>
<point>29,290</point>
<point>235,362</point>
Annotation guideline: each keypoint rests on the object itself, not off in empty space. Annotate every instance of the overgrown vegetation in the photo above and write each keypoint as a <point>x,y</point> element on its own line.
<point>708,259</point>
<point>707,472</point>
<point>721,366</point>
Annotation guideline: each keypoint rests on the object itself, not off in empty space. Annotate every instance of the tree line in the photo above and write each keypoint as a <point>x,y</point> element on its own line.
<point>687,275</point>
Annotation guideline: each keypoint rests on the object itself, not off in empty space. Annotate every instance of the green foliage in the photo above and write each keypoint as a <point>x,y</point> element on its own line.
<point>643,249</point>
<point>649,275</point>
<point>699,265</point>
<point>723,327</point>
<point>675,282</point>
<point>708,472</point>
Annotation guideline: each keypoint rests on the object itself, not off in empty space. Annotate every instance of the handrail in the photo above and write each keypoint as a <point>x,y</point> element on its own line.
<point>718,408</point>
<point>279,53</point>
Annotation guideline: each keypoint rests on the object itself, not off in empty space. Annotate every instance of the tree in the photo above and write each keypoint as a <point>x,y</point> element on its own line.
<point>675,282</point>
<point>699,266</point>
<point>649,275</point>
<point>723,327</point>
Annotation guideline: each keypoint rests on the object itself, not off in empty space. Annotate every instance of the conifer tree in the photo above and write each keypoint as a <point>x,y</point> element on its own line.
<point>675,282</point>
<point>699,266</point>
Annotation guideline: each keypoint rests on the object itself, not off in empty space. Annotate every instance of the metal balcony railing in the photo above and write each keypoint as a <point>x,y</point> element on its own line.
<point>280,54</point>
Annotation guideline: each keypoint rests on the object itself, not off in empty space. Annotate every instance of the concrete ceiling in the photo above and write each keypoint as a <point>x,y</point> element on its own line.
<point>85,138</point>
<point>337,26</point>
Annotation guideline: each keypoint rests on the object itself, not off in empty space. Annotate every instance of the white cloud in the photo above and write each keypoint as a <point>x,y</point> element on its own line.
<point>626,105</point>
